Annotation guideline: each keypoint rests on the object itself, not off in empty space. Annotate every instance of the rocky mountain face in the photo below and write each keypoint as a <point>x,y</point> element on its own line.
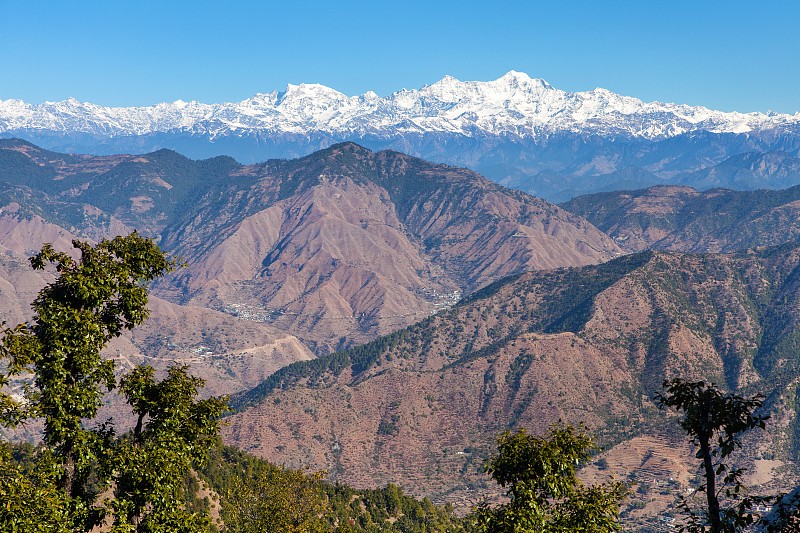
<point>517,130</point>
<point>348,243</point>
<point>421,407</point>
<point>684,219</point>
<point>334,248</point>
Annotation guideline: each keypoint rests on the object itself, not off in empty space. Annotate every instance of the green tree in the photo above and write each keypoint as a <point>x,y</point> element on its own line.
<point>715,422</point>
<point>31,499</point>
<point>149,466</point>
<point>277,499</point>
<point>259,496</point>
<point>94,299</point>
<point>544,492</point>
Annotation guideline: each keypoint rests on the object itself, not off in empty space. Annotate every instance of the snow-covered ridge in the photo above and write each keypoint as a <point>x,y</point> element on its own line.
<point>514,105</point>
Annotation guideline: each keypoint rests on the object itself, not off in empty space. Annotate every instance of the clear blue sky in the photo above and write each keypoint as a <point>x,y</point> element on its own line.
<point>729,55</point>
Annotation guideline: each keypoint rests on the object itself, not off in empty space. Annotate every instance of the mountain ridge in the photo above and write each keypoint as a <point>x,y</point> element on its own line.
<point>681,218</point>
<point>336,247</point>
<point>514,104</point>
<point>373,230</point>
<point>516,130</point>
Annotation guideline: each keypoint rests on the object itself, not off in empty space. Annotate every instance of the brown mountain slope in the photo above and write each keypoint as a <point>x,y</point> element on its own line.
<point>231,354</point>
<point>684,219</point>
<point>21,236</point>
<point>335,248</point>
<point>309,264</point>
<point>19,233</point>
<point>421,407</point>
<point>90,194</point>
<point>346,244</point>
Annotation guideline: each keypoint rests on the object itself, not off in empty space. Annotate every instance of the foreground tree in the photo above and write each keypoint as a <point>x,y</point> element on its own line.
<point>149,466</point>
<point>31,500</point>
<point>715,422</point>
<point>93,300</point>
<point>277,499</point>
<point>544,491</point>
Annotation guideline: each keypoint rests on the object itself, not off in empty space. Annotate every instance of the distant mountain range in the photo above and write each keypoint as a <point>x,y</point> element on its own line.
<point>516,130</point>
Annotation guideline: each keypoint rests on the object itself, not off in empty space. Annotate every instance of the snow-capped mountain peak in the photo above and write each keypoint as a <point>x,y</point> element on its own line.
<point>512,77</point>
<point>513,105</point>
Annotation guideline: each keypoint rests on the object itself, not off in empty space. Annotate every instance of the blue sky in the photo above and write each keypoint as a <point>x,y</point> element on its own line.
<point>727,55</point>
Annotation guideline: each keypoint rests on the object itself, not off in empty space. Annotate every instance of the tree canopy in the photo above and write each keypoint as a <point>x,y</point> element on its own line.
<point>715,422</point>
<point>544,492</point>
<point>93,299</point>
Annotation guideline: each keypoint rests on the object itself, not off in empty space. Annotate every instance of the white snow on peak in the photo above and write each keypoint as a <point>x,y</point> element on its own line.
<point>513,77</point>
<point>513,105</point>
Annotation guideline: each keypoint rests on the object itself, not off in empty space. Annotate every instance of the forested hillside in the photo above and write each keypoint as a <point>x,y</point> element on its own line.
<point>688,220</point>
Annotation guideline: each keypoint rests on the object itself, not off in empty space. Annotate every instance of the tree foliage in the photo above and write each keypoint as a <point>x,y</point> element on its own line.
<point>148,467</point>
<point>544,492</point>
<point>715,422</point>
<point>258,496</point>
<point>277,499</point>
<point>31,500</point>
<point>94,299</point>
